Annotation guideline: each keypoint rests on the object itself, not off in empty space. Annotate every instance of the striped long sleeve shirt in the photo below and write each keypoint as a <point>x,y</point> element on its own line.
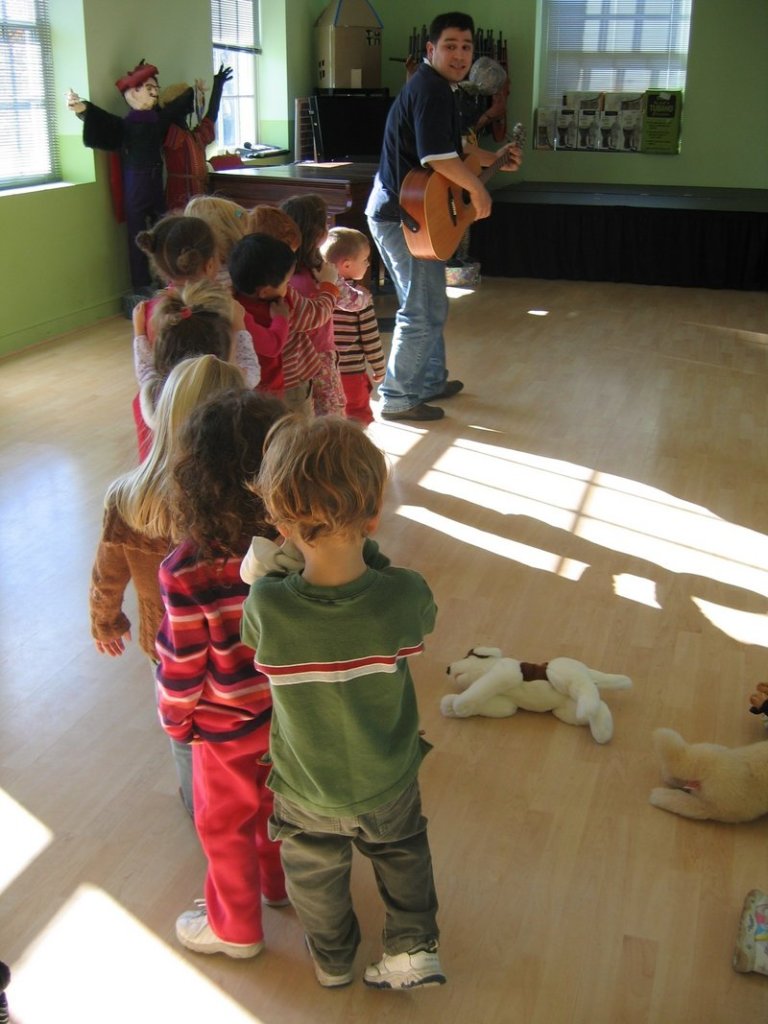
<point>357,340</point>
<point>208,687</point>
<point>300,360</point>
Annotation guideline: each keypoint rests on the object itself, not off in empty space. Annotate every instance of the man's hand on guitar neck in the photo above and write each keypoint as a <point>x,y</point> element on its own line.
<point>513,154</point>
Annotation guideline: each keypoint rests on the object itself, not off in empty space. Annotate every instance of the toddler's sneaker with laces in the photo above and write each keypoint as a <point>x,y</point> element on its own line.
<point>194,932</point>
<point>405,970</point>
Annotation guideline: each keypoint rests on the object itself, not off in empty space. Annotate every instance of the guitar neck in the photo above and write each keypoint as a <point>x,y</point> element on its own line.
<point>517,139</point>
<point>491,169</point>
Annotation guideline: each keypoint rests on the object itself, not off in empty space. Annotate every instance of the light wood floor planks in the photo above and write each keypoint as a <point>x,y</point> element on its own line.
<point>600,491</point>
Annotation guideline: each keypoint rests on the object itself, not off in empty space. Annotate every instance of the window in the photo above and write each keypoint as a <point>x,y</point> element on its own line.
<point>619,46</point>
<point>237,44</point>
<point>28,152</point>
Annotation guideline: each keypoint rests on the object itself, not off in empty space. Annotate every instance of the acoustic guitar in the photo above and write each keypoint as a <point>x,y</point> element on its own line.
<point>436,211</point>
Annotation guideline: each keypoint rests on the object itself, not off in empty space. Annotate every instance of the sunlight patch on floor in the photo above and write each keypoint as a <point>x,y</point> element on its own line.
<point>97,964</point>
<point>24,839</point>
<point>683,538</point>
<point>510,482</point>
<point>743,627</point>
<point>635,588</point>
<point>513,550</point>
<point>613,512</point>
<point>394,439</point>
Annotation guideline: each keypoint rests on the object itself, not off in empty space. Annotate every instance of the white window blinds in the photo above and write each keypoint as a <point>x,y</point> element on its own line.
<point>237,44</point>
<point>28,150</point>
<point>613,46</point>
<point>235,25</point>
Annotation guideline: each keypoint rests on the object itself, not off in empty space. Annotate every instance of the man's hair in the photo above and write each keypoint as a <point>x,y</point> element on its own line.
<point>259,261</point>
<point>454,19</point>
<point>321,476</point>
<point>343,244</point>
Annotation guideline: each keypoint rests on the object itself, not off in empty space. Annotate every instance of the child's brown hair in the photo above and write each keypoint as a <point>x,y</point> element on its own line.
<point>194,321</point>
<point>220,451</point>
<point>178,247</point>
<point>321,476</point>
<point>310,212</point>
<point>269,220</point>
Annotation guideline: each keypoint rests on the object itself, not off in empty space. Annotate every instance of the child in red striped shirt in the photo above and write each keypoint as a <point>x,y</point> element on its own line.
<point>209,692</point>
<point>261,267</point>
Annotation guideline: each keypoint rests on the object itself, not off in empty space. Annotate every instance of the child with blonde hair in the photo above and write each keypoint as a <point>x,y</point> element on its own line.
<point>227,220</point>
<point>136,530</point>
<point>210,693</point>
<point>335,638</point>
<point>310,213</point>
<point>355,327</point>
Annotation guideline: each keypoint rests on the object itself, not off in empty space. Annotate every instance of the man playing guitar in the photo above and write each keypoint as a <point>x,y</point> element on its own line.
<point>423,130</point>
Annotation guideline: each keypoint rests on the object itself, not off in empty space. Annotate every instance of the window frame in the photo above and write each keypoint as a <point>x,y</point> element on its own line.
<point>16,111</point>
<point>233,43</point>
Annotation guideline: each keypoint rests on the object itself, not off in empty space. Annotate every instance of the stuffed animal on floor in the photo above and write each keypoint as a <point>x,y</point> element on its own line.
<point>758,701</point>
<point>708,781</point>
<point>496,687</point>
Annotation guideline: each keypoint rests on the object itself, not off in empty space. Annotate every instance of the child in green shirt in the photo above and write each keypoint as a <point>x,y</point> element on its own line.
<point>334,639</point>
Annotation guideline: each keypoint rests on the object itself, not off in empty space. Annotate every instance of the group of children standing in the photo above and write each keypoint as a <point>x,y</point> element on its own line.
<point>278,632</point>
<point>303,326</point>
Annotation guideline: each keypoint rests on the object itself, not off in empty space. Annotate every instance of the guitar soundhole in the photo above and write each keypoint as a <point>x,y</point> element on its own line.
<point>452,207</point>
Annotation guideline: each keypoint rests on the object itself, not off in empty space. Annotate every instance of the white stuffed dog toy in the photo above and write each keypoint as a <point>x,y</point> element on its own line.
<point>496,687</point>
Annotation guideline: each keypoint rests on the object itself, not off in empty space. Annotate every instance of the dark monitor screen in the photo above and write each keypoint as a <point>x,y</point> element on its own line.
<point>349,126</point>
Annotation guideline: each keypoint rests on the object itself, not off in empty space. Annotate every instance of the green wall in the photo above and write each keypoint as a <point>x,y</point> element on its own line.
<point>63,259</point>
<point>725,117</point>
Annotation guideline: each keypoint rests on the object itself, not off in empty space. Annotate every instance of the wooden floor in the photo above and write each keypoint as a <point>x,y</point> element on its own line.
<point>600,491</point>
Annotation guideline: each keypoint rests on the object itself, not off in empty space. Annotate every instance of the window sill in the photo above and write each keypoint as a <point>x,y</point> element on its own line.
<point>24,190</point>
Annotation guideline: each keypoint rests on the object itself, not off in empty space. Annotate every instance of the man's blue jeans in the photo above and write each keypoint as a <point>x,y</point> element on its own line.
<point>416,369</point>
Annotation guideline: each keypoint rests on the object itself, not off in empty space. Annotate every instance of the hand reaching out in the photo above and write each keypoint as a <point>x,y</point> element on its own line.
<point>223,75</point>
<point>326,273</point>
<point>139,319</point>
<point>74,103</point>
<point>238,316</point>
